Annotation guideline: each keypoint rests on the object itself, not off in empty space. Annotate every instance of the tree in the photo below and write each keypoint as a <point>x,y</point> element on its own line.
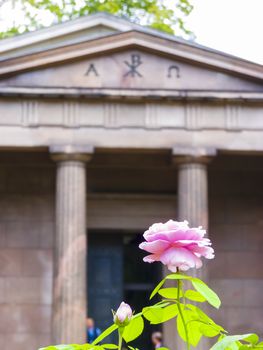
<point>165,15</point>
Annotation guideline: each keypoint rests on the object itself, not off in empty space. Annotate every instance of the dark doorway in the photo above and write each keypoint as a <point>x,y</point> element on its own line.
<point>139,280</point>
<point>105,277</point>
<point>116,272</point>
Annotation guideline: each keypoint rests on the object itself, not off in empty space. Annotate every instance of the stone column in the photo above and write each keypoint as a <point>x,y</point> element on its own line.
<point>192,205</point>
<point>192,200</point>
<point>70,258</point>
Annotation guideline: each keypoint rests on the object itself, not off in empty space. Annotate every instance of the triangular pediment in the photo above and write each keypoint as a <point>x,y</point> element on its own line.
<point>131,60</point>
<point>131,69</point>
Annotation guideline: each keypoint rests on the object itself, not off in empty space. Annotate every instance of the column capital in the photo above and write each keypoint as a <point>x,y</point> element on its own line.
<point>71,152</point>
<point>192,155</point>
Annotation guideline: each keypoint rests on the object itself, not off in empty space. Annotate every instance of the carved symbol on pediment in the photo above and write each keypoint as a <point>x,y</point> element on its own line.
<point>133,66</point>
<point>92,70</point>
<point>173,71</point>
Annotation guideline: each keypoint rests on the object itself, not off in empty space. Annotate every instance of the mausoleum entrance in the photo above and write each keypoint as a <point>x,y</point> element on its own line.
<point>116,272</point>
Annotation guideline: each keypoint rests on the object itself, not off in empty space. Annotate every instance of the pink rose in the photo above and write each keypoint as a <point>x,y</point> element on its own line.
<point>123,315</point>
<point>176,245</point>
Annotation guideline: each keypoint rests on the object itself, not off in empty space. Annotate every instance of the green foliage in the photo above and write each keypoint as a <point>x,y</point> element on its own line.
<point>178,276</point>
<point>153,315</point>
<point>152,13</point>
<point>206,292</point>
<point>192,323</point>
<point>79,347</point>
<point>198,324</point>
<point>208,331</point>
<point>105,334</point>
<point>174,276</point>
<point>157,315</point>
<point>169,293</point>
<point>157,288</point>
<point>239,342</point>
<point>203,291</point>
<point>134,329</point>
<point>194,296</point>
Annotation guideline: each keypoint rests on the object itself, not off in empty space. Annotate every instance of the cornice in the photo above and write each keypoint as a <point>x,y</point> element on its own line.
<point>132,95</point>
<point>133,39</point>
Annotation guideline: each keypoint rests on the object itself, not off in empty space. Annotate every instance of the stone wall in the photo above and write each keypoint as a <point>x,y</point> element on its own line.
<point>26,238</point>
<point>27,233</point>
<point>236,229</point>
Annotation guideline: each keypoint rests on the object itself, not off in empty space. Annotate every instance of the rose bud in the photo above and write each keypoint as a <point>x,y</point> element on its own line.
<point>123,315</point>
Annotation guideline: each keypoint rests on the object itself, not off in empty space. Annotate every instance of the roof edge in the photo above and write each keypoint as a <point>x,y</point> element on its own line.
<point>146,41</point>
<point>99,18</point>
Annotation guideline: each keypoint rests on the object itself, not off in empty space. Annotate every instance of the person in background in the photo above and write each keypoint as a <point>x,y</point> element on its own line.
<point>92,331</point>
<point>157,340</point>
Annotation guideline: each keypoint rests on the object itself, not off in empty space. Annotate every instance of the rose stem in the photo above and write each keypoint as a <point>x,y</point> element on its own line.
<point>181,313</point>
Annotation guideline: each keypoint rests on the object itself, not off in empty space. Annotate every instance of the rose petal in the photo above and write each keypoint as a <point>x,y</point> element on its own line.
<point>179,257</point>
<point>177,245</point>
<point>151,258</point>
<point>155,246</point>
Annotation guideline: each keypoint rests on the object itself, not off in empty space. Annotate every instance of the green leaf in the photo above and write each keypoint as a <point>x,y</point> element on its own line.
<point>156,289</point>
<point>206,292</point>
<point>252,338</point>
<point>208,330</point>
<point>233,346</point>
<point>90,346</point>
<point>204,318</point>
<point>169,293</point>
<point>134,329</point>
<point>178,276</point>
<point>200,314</point>
<point>192,325</point>
<point>228,340</point>
<point>194,296</point>
<point>61,347</point>
<point>159,315</point>
<point>152,314</point>
<point>110,346</point>
<point>169,312</point>
<point>104,334</point>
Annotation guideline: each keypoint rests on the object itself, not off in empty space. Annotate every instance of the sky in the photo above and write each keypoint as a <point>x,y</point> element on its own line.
<point>231,26</point>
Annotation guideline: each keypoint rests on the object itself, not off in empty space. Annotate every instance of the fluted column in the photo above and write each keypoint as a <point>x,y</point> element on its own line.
<point>192,205</point>
<point>192,201</point>
<point>70,258</point>
<point>193,190</point>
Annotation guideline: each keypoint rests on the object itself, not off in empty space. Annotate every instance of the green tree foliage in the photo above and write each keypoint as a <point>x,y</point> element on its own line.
<point>165,15</point>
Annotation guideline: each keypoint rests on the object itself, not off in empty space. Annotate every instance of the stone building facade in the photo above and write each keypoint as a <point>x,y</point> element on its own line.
<point>105,128</point>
